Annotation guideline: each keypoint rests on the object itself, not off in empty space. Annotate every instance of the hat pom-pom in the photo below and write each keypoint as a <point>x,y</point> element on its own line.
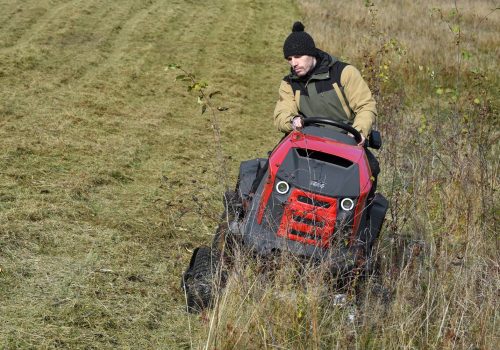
<point>298,27</point>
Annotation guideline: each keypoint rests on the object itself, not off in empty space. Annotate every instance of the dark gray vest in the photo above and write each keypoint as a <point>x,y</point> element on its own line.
<point>321,94</point>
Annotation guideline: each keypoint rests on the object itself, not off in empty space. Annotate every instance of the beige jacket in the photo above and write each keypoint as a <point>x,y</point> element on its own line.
<point>321,96</point>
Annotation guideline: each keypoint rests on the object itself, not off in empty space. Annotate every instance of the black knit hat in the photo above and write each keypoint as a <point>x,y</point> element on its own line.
<point>299,42</point>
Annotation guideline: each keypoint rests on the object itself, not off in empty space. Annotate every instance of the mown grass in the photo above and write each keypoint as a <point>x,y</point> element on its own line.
<point>109,174</point>
<point>108,168</point>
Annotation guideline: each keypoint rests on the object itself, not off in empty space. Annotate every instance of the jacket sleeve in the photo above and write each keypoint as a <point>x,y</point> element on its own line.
<point>286,108</point>
<point>360,99</point>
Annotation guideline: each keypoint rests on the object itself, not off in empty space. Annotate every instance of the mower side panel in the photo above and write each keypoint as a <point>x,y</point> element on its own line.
<point>248,172</point>
<point>376,213</point>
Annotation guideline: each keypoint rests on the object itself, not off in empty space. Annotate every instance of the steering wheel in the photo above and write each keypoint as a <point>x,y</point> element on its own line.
<point>324,121</point>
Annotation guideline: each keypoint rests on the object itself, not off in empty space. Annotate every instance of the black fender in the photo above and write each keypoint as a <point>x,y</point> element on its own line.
<point>250,171</point>
<point>376,216</point>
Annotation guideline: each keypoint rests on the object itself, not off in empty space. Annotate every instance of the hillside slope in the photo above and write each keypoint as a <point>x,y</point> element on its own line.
<point>110,175</point>
<point>103,155</point>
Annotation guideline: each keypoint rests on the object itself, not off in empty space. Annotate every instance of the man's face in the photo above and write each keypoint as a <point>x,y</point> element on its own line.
<point>301,64</point>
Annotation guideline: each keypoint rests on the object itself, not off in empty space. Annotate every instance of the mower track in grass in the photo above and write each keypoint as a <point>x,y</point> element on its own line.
<point>108,169</point>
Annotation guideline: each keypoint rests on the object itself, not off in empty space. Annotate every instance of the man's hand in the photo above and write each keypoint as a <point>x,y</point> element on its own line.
<point>297,123</point>
<point>363,138</point>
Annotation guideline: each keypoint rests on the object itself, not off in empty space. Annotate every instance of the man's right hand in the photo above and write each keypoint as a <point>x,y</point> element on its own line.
<point>297,123</point>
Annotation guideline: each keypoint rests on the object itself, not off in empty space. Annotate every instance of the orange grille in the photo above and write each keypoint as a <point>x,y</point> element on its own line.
<point>309,218</point>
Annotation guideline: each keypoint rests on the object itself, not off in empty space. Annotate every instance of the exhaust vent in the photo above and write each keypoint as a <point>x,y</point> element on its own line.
<point>324,157</point>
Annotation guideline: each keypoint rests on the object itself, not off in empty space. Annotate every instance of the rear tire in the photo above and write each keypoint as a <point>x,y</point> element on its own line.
<point>199,280</point>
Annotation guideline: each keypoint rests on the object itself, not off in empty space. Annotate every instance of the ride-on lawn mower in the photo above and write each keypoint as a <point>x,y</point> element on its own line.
<point>313,198</point>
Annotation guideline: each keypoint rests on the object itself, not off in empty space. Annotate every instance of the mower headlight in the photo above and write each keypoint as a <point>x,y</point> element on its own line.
<point>347,204</point>
<point>282,187</point>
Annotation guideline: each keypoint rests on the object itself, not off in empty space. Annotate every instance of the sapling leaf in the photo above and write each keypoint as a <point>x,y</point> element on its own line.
<point>466,55</point>
<point>203,108</point>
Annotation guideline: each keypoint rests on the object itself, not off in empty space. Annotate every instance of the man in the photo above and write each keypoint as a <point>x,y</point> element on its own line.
<point>319,85</point>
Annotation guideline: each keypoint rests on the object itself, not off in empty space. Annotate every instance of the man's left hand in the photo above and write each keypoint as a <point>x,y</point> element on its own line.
<point>363,139</point>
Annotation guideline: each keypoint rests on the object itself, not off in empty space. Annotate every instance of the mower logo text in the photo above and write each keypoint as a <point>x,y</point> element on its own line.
<point>317,184</point>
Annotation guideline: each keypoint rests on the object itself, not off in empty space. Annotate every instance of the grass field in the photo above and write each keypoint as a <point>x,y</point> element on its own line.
<point>110,175</point>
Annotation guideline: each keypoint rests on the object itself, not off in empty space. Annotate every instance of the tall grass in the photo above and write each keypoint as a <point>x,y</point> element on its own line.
<point>432,67</point>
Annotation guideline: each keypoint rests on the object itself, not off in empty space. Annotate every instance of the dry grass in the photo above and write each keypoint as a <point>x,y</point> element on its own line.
<point>422,28</point>
<point>108,174</point>
<point>437,92</point>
